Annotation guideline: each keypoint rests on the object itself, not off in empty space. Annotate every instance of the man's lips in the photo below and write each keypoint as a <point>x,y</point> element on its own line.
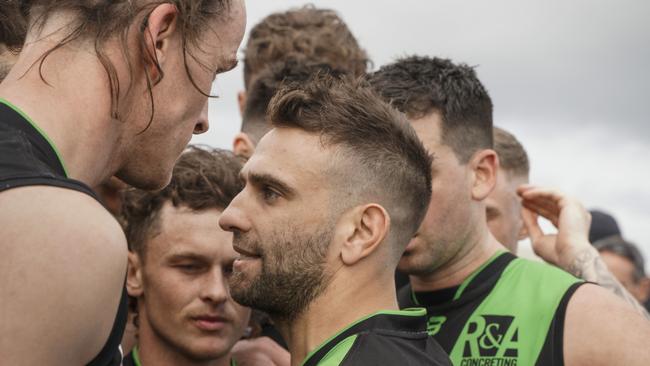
<point>210,322</point>
<point>245,253</point>
<point>411,243</point>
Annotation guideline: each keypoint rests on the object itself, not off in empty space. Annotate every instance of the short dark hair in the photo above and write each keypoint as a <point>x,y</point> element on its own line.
<point>419,86</point>
<point>254,120</point>
<point>512,155</point>
<point>619,246</point>
<point>203,178</point>
<point>305,33</point>
<point>384,159</point>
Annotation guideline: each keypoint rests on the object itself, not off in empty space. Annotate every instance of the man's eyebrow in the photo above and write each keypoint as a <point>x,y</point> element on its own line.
<point>180,256</point>
<point>261,179</point>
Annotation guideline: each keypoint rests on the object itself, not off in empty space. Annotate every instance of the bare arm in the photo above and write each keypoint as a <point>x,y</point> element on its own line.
<point>589,266</point>
<point>569,249</point>
<point>600,329</point>
<point>62,271</point>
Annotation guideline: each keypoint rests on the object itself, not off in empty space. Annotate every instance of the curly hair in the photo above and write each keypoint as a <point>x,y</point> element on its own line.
<point>254,120</point>
<point>203,178</point>
<point>13,25</point>
<point>419,86</point>
<point>306,33</point>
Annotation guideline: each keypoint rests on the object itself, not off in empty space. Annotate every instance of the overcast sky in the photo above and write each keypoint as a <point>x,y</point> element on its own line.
<point>569,78</point>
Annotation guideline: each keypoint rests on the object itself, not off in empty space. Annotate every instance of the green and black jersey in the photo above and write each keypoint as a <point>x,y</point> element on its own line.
<point>385,338</point>
<point>509,312</point>
<point>133,359</point>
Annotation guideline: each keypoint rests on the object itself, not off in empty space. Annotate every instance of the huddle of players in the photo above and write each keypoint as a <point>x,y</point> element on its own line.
<point>345,180</point>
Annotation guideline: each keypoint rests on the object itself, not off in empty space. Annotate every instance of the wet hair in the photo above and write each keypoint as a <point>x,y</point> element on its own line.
<point>377,155</point>
<point>13,25</point>
<point>254,120</point>
<point>617,245</point>
<point>512,155</point>
<point>103,20</point>
<point>420,86</point>
<point>305,34</point>
<point>203,178</point>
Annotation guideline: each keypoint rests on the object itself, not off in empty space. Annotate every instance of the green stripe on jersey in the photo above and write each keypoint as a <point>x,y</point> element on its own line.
<point>45,136</point>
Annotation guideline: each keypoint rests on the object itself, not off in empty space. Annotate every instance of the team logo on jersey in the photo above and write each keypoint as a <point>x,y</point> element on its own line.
<point>492,337</point>
<point>434,324</point>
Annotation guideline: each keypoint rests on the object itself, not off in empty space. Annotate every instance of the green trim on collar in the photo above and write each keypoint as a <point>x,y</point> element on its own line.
<point>136,356</point>
<point>469,279</point>
<point>45,136</point>
<point>406,312</point>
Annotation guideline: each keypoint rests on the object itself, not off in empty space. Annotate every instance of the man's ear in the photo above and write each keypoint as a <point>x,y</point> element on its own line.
<point>243,146</point>
<point>644,289</point>
<point>484,164</point>
<point>365,228</point>
<point>523,233</point>
<point>158,31</point>
<point>241,100</point>
<point>134,284</point>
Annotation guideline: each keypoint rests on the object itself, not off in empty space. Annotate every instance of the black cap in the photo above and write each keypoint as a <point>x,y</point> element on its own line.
<point>602,226</point>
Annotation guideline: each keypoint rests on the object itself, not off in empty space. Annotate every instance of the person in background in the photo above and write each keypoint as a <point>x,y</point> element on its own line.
<point>603,225</point>
<point>627,264</point>
<point>503,205</point>
<point>484,304</point>
<point>332,194</point>
<point>307,35</point>
<point>179,262</point>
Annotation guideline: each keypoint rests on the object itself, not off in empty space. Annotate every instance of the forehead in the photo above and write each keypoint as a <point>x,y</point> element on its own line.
<point>184,231</point>
<point>292,155</point>
<point>225,33</point>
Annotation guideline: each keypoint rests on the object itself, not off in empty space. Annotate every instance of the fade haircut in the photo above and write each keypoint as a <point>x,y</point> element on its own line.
<point>512,155</point>
<point>419,86</point>
<point>202,179</point>
<point>254,120</point>
<point>617,245</point>
<point>306,33</point>
<point>378,156</point>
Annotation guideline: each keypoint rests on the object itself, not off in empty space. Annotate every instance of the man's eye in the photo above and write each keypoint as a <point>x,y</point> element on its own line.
<point>227,270</point>
<point>189,268</point>
<point>269,195</point>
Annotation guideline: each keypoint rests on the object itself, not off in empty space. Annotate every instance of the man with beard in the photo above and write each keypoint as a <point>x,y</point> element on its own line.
<point>332,194</point>
<point>486,306</point>
<point>179,261</point>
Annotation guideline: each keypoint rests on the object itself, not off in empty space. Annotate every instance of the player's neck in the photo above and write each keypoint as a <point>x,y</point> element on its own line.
<point>468,259</point>
<point>152,350</point>
<point>333,311</point>
<point>72,106</point>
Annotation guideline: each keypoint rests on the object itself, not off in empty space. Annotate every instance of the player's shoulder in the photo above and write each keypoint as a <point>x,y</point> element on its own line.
<point>54,214</point>
<point>393,347</point>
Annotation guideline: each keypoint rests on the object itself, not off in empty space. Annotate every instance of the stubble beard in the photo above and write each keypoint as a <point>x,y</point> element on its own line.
<point>293,274</point>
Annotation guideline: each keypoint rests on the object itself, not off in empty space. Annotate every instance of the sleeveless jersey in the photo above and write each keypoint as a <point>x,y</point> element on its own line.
<point>383,338</point>
<point>509,312</point>
<point>133,359</point>
<point>28,158</point>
